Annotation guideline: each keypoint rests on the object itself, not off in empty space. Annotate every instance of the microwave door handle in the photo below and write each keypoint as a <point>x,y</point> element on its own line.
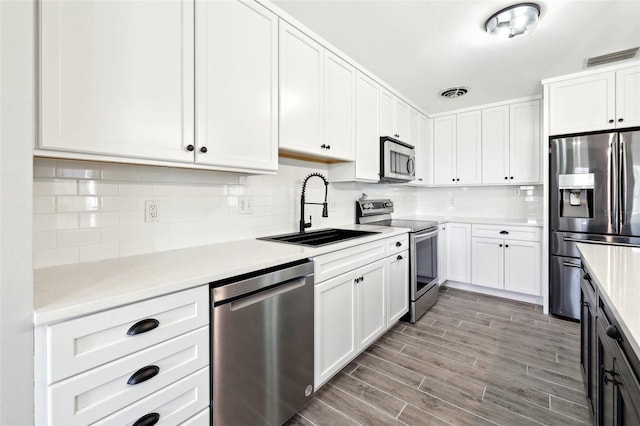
<point>411,165</point>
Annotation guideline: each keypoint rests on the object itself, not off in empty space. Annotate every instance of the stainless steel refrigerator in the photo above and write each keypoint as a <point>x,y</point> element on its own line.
<point>595,198</point>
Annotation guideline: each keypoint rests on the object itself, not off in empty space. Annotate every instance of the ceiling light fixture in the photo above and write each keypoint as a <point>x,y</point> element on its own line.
<point>519,19</point>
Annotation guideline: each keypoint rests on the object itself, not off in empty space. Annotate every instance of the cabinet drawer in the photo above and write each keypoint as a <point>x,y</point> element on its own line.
<point>173,404</point>
<point>200,419</point>
<point>397,244</point>
<point>522,233</point>
<point>338,262</point>
<point>86,342</point>
<point>97,393</point>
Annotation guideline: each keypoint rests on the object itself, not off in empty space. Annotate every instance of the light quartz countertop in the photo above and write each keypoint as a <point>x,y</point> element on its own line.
<point>68,291</point>
<point>616,271</point>
<point>479,220</point>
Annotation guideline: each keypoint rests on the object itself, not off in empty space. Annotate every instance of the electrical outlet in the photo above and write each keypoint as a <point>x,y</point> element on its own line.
<point>332,206</point>
<point>151,211</point>
<point>451,202</point>
<point>516,191</point>
<point>245,205</point>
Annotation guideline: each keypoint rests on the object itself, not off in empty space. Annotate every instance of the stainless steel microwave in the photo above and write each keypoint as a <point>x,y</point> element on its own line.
<point>397,161</point>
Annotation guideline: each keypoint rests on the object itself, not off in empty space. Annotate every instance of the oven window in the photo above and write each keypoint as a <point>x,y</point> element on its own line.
<point>426,262</point>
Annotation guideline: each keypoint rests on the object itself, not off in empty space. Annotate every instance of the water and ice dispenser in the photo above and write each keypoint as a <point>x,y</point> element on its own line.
<point>576,195</point>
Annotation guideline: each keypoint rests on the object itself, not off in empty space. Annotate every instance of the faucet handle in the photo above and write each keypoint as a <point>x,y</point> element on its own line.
<point>308,224</point>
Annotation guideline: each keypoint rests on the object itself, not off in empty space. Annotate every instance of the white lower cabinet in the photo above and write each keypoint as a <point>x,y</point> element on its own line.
<point>504,263</point>
<point>354,308</point>
<point>397,290</point>
<point>148,360</point>
<point>459,252</point>
<point>442,253</point>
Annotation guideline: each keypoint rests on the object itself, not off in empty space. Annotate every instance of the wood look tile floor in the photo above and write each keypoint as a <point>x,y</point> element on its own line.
<point>471,360</point>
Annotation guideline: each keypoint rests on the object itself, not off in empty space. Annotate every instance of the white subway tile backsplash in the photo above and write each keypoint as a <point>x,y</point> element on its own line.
<point>78,238</point>
<point>86,211</point>
<point>77,204</point>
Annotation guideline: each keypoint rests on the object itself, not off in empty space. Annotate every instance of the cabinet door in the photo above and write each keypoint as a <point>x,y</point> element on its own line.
<point>522,266</point>
<point>459,252</point>
<point>301,76</point>
<point>442,254</point>
<point>397,287</point>
<point>423,151</point>
<point>370,303</point>
<point>582,104</point>
<point>401,120</point>
<point>628,97</point>
<point>627,393</point>
<point>487,256</point>
<point>587,334</point>
<point>367,134</point>
<point>524,147</point>
<point>605,387</point>
<point>444,149</point>
<point>334,325</point>
<point>412,126</point>
<point>339,108</point>
<point>237,81</point>
<point>495,145</point>
<point>113,81</point>
<point>468,148</point>
<point>387,127</point>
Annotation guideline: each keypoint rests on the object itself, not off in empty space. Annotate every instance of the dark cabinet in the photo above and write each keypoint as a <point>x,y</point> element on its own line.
<point>610,367</point>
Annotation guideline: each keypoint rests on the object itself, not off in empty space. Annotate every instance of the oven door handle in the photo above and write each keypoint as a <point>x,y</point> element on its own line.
<point>426,235</point>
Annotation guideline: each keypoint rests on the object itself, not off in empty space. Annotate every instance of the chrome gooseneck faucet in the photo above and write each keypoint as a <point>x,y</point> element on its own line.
<point>325,210</point>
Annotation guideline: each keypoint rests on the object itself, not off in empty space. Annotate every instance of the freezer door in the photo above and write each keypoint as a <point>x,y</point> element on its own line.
<point>630,183</point>
<point>586,154</point>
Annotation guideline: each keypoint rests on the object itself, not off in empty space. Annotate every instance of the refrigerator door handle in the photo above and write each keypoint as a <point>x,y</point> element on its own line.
<point>623,182</point>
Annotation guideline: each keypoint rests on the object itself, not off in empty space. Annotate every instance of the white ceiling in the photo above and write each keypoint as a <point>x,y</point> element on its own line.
<point>420,47</point>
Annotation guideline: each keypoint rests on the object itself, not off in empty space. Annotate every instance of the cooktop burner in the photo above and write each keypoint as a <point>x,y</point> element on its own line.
<point>414,225</point>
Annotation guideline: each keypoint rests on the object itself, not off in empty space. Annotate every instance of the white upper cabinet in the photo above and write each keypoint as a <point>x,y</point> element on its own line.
<point>394,117</point>
<point>456,155</point>
<point>317,98</point>
<point>423,151</point>
<point>495,145</point>
<point>301,91</point>
<point>468,148</point>
<point>598,101</point>
<point>237,81</point>
<point>367,165</point>
<point>628,97</point>
<point>115,82</point>
<point>524,142</point>
<point>444,149</point>
<point>339,107</point>
<point>511,143</point>
<point>412,126</point>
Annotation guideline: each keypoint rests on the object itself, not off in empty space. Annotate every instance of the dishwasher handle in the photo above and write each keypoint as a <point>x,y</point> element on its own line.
<point>245,302</point>
<point>253,283</point>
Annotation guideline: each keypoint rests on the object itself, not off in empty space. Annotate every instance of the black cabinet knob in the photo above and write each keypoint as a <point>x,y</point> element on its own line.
<point>511,177</point>
<point>499,245</point>
<point>399,257</point>
<point>612,331</point>
<point>506,245</point>
<point>143,326</point>
<point>203,150</point>
<point>190,148</point>
<point>420,179</point>
<point>610,121</point>
<point>506,178</point>
<point>323,146</point>
<point>398,244</point>
<point>453,180</point>
<point>328,146</point>
<point>147,420</point>
<point>144,374</point>
<point>457,180</point>
<point>620,120</point>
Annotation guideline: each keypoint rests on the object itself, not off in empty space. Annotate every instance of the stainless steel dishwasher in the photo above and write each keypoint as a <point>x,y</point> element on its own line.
<point>262,345</point>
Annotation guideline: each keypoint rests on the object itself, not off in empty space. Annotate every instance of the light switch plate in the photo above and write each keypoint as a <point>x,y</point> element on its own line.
<point>245,205</point>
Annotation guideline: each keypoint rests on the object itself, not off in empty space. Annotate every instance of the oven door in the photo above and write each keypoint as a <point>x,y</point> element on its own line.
<point>424,262</point>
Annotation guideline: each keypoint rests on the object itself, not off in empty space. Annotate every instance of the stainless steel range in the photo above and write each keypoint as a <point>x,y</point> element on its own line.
<point>423,252</point>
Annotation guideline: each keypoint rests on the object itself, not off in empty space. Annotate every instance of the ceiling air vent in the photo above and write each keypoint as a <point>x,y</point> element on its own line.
<point>454,92</point>
<point>620,55</point>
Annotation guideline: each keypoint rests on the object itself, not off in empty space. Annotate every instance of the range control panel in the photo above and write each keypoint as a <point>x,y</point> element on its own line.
<point>373,207</point>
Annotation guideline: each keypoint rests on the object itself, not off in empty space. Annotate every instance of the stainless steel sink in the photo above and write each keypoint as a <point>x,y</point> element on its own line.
<point>318,238</point>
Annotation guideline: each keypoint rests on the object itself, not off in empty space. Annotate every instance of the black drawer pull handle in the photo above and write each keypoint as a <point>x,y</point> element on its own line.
<point>587,277</point>
<point>504,232</point>
<point>399,257</point>
<point>147,420</point>
<point>143,326</point>
<point>612,331</point>
<point>144,374</point>
<point>398,244</point>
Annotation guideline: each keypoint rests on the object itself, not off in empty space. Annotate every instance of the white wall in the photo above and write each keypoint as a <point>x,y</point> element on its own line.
<point>17,125</point>
<point>86,211</point>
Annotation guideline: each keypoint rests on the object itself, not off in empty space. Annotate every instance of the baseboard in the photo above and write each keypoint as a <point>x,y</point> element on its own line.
<point>536,300</point>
